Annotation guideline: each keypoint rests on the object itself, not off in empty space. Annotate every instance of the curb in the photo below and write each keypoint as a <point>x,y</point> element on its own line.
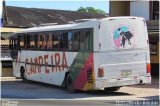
<point>9,78</point>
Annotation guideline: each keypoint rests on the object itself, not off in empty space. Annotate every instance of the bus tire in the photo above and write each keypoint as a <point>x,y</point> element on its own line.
<point>69,84</point>
<point>22,74</point>
<point>112,89</point>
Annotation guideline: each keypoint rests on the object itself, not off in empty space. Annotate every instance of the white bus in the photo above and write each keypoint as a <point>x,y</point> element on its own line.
<point>85,55</point>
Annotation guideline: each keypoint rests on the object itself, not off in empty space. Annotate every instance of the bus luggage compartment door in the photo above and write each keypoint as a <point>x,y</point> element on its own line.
<point>122,64</point>
<point>124,69</point>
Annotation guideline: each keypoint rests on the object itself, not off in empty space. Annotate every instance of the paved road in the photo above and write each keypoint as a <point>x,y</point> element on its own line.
<point>17,89</point>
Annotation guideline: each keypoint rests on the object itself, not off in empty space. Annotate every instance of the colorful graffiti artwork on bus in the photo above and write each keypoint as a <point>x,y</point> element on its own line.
<point>124,37</point>
<point>35,64</point>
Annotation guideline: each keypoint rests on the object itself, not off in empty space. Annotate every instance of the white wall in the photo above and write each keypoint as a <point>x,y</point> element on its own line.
<point>139,8</point>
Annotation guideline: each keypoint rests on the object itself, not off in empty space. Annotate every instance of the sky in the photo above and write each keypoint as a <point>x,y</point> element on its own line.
<point>60,4</point>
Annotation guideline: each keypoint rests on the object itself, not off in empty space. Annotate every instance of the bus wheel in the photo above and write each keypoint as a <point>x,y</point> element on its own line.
<point>22,73</point>
<point>112,89</point>
<point>69,84</point>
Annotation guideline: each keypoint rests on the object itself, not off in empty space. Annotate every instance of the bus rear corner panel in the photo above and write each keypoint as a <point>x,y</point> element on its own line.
<point>120,82</point>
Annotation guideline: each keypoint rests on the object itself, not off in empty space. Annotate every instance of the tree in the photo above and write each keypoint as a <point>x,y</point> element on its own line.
<point>91,10</point>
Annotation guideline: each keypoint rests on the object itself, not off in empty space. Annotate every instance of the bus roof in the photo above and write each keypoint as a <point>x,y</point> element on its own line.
<point>74,25</point>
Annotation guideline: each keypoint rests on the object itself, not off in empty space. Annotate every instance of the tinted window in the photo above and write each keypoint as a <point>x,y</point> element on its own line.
<point>21,41</point>
<point>60,41</point>
<point>28,41</point>
<point>82,38</point>
<point>69,40</point>
<point>55,41</point>
<point>32,41</point>
<point>76,41</point>
<point>88,40</point>
<point>44,44</point>
<point>49,40</point>
<point>39,41</point>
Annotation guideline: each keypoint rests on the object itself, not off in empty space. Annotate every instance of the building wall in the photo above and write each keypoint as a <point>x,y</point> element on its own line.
<point>119,8</point>
<point>155,58</point>
<point>155,61</point>
<point>140,8</point>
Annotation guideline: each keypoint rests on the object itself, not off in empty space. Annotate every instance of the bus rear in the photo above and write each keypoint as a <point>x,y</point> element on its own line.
<point>122,55</point>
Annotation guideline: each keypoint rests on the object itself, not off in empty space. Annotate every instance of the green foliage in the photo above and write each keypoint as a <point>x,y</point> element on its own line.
<point>91,10</point>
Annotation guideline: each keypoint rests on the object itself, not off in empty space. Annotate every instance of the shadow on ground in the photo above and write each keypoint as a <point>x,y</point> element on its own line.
<point>35,90</point>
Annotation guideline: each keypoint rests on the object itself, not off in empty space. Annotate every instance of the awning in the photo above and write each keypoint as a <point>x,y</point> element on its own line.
<point>6,29</point>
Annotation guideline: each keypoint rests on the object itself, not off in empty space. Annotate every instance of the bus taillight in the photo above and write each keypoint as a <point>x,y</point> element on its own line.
<point>100,72</point>
<point>148,68</point>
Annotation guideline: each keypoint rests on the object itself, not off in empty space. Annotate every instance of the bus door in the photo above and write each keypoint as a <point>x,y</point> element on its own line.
<point>83,60</point>
<point>78,53</point>
<point>88,54</point>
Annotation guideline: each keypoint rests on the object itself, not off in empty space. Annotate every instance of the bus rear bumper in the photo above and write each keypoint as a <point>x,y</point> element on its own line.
<point>104,83</point>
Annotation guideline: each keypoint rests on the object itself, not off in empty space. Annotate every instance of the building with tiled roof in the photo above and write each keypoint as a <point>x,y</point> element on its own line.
<point>17,18</point>
<point>31,17</point>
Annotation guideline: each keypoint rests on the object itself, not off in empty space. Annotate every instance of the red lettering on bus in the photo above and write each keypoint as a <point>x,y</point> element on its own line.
<point>40,63</point>
<point>36,63</point>
<point>64,62</point>
<point>46,63</point>
<point>57,61</point>
<point>52,63</point>
<point>32,68</point>
<point>26,61</point>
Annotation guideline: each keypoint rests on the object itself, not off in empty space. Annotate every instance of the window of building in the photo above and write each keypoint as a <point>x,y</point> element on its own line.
<point>155,10</point>
<point>153,48</point>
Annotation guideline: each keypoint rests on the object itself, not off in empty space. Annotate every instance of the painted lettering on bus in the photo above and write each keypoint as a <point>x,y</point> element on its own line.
<point>57,61</point>
<point>46,63</point>
<point>35,64</point>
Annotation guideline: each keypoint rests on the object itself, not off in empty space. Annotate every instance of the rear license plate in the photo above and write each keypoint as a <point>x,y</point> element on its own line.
<point>126,73</point>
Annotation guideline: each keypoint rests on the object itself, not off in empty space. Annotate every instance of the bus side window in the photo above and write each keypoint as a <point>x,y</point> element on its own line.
<point>32,41</point>
<point>88,40</point>
<point>39,42</point>
<point>44,44</point>
<point>28,41</point>
<point>76,41</point>
<point>21,41</point>
<point>82,38</point>
<point>60,41</point>
<point>49,41</point>
<point>55,42</point>
<point>69,40</point>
